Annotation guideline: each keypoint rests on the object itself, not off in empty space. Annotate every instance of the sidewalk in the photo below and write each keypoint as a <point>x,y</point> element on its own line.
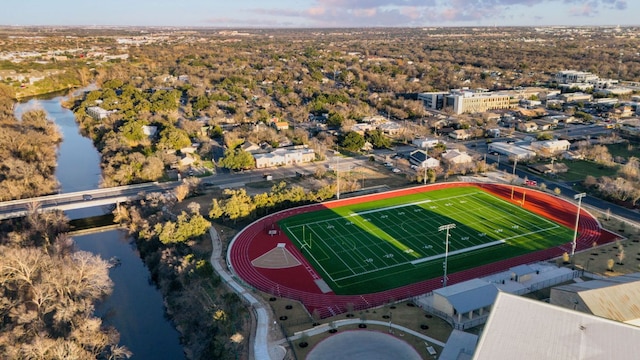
<point>260,349</point>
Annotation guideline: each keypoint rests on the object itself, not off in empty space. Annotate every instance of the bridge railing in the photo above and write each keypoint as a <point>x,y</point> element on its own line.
<point>55,197</point>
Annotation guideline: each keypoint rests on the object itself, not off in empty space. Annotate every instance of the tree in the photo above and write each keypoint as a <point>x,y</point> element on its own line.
<point>237,159</point>
<point>181,191</point>
<point>353,141</point>
<point>174,138</point>
<point>216,211</point>
<point>378,139</point>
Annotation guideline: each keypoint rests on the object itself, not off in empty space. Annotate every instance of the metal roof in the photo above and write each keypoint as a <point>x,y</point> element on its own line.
<point>469,295</point>
<point>459,346</point>
<point>522,270</point>
<point>523,329</point>
<point>616,298</point>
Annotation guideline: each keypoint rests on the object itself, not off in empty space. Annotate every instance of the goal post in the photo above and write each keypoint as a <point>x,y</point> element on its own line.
<point>304,238</point>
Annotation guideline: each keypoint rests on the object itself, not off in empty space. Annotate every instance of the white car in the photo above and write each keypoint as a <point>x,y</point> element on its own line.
<point>396,170</point>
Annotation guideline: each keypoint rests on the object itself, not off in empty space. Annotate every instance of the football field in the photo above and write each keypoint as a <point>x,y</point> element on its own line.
<point>384,244</point>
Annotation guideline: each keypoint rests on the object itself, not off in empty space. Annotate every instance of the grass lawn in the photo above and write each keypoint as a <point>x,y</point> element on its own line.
<point>623,150</point>
<point>579,169</point>
<point>384,244</point>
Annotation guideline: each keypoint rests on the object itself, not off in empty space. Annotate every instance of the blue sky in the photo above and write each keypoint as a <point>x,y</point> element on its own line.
<point>320,13</point>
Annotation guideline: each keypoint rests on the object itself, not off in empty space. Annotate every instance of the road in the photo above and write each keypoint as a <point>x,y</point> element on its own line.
<point>108,196</point>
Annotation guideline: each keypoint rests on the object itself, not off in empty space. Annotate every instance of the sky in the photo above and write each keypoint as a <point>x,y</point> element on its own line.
<point>319,13</point>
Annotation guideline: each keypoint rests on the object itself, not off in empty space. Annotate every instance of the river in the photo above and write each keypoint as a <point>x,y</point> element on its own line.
<point>135,308</point>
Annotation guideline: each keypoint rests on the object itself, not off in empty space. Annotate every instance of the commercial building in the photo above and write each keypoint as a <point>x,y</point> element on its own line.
<point>281,157</point>
<point>468,101</point>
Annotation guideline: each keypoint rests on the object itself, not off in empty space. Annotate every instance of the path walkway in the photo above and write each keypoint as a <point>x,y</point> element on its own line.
<point>326,327</point>
<point>260,348</point>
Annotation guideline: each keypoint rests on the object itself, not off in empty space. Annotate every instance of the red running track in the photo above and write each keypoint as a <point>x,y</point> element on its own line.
<point>298,282</point>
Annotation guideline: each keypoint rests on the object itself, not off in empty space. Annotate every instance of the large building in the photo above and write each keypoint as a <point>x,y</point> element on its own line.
<point>462,101</point>
<point>521,328</point>
<point>572,76</point>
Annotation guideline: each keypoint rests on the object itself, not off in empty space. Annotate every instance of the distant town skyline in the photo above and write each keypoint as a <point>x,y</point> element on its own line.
<point>320,13</point>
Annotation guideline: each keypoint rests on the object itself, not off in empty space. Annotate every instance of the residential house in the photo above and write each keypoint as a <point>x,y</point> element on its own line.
<point>390,127</point>
<point>494,133</point>
<point>98,113</point>
<point>421,159</point>
<point>149,130</point>
<point>528,126</point>
<point>186,160</point>
<point>455,157</point>
<point>361,128</point>
<point>426,143</point>
<point>250,147</point>
<point>461,134</point>
<point>279,124</point>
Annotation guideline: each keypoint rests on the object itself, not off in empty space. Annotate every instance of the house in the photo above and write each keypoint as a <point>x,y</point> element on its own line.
<point>455,157</point>
<point>186,160</point>
<point>390,127</point>
<point>280,125</point>
<point>98,113</point>
<point>250,147</point>
<point>550,147</point>
<point>188,150</point>
<point>426,143</point>
<point>528,126</point>
<point>422,160</point>
<point>361,128</point>
<point>494,133</point>
<point>461,134</point>
<point>150,131</point>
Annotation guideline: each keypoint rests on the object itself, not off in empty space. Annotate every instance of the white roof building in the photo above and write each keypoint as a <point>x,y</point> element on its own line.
<point>284,157</point>
<point>523,329</point>
<point>426,143</point>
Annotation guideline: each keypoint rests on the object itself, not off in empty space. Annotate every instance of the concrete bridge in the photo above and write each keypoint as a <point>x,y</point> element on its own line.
<point>81,199</point>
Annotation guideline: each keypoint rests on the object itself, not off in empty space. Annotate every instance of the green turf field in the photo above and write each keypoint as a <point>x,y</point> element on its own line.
<point>388,243</point>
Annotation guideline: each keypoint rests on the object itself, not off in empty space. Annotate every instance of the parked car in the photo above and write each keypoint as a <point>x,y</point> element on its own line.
<point>396,170</point>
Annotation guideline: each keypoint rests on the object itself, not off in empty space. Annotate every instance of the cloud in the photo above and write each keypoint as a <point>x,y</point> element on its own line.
<point>355,13</point>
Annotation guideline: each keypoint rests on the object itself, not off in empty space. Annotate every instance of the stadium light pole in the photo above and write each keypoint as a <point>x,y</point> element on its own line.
<point>338,176</point>
<point>446,250</point>
<point>575,231</point>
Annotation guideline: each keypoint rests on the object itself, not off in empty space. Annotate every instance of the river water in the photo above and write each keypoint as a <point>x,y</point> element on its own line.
<point>135,307</point>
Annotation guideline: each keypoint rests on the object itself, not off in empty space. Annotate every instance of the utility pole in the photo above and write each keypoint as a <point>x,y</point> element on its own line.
<point>575,232</point>
<point>338,177</point>
<point>446,250</point>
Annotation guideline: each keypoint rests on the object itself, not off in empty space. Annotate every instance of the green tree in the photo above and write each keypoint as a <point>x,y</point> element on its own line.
<point>186,227</point>
<point>237,159</point>
<point>216,210</point>
<point>174,138</point>
<point>352,141</point>
<point>377,139</point>
<point>335,119</point>
<point>132,130</point>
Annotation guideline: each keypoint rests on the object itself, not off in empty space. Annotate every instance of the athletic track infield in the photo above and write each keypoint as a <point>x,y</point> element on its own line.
<point>298,281</point>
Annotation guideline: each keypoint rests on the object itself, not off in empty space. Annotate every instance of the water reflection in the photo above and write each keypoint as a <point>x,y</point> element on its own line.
<point>135,308</point>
